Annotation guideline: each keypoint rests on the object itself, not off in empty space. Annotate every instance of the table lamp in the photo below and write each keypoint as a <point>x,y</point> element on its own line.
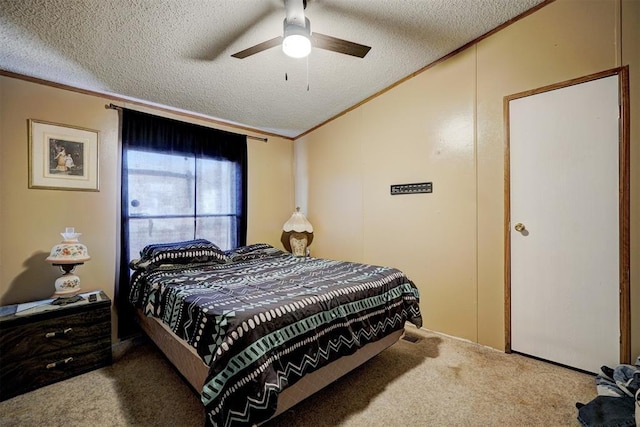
<point>67,255</point>
<point>297,234</point>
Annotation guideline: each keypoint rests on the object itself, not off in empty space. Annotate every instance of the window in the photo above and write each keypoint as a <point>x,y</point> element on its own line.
<point>176,197</point>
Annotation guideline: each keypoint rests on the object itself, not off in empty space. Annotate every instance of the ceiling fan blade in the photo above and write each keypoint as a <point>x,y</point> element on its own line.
<point>334,44</point>
<point>258,48</point>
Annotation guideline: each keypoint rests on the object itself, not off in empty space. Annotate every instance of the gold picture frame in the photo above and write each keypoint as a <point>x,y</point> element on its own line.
<point>62,157</point>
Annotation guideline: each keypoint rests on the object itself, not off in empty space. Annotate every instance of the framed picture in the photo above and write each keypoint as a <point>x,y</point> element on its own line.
<point>62,157</point>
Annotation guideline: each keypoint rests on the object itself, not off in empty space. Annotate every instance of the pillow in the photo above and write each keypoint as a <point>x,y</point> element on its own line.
<point>139,264</point>
<point>250,252</point>
<point>188,252</point>
<point>148,250</point>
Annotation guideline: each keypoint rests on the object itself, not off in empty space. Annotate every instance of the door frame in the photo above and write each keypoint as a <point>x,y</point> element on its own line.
<point>623,202</point>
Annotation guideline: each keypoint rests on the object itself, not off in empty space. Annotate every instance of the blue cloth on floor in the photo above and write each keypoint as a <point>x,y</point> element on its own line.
<point>615,404</point>
<point>608,411</point>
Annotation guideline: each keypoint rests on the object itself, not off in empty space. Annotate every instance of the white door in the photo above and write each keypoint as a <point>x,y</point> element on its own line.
<point>564,183</point>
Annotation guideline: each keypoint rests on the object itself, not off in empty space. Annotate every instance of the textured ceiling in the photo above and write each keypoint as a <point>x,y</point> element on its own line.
<point>176,53</point>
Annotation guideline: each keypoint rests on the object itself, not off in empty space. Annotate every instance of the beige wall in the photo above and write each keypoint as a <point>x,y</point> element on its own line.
<point>31,219</point>
<point>446,126</point>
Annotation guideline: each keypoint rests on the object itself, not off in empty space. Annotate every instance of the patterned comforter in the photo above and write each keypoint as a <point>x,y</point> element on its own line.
<point>264,318</point>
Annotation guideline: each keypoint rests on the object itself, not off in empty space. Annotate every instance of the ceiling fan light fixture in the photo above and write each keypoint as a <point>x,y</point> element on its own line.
<point>297,39</point>
<point>296,46</point>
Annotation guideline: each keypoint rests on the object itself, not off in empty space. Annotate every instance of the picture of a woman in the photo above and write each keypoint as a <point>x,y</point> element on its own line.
<point>61,159</point>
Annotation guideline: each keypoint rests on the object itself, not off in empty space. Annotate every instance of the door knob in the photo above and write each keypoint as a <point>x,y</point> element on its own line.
<point>519,226</point>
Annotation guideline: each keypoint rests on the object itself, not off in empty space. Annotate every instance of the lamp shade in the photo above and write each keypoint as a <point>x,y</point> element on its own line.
<point>70,251</point>
<point>298,222</point>
<point>297,234</point>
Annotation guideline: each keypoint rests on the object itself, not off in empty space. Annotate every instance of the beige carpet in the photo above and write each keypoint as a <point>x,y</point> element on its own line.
<point>438,381</point>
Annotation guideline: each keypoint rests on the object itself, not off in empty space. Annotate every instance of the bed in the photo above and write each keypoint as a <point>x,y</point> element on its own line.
<point>255,330</point>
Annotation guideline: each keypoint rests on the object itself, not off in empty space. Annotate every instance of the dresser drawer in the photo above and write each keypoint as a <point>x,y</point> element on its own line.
<point>23,375</point>
<point>21,342</point>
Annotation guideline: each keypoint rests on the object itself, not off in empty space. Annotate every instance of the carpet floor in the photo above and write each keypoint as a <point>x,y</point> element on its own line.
<point>436,381</point>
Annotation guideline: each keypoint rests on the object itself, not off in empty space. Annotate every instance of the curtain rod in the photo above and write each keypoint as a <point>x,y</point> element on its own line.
<point>257,138</point>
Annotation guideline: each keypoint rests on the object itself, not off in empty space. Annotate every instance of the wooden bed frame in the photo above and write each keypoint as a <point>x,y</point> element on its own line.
<point>186,360</point>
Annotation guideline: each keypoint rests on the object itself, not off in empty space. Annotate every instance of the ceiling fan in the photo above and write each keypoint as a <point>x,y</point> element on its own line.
<point>297,38</point>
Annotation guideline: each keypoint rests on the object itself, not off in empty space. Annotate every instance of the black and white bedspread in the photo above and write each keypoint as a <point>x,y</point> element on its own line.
<point>262,318</point>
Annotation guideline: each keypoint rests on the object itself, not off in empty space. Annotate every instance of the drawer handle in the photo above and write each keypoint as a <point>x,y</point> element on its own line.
<point>58,333</point>
<point>59,362</point>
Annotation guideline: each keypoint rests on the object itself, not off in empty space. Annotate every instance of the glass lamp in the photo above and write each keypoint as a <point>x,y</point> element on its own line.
<point>67,255</point>
<point>297,234</point>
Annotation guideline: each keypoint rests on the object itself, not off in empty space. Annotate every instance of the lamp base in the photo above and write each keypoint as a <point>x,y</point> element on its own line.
<point>298,243</point>
<point>68,284</point>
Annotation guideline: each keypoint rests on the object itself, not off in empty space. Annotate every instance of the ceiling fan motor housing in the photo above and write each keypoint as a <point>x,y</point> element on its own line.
<point>291,28</point>
<point>294,10</point>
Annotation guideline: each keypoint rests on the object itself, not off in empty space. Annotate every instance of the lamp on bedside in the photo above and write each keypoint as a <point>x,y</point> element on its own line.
<point>297,234</point>
<point>67,255</point>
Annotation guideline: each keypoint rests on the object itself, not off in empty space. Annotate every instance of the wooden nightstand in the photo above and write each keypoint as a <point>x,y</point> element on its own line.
<point>46,344</point>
